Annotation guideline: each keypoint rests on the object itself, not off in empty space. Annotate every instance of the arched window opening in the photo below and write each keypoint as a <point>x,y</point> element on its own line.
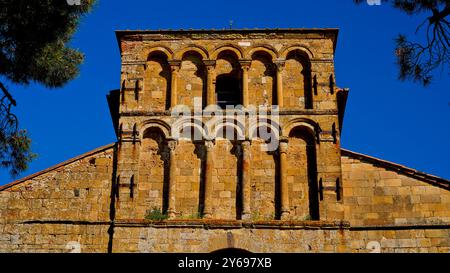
<point>228,80</point>
<point>265,190</point>
<point>228,183</point>
<point>191,79</point>
<point>298,79</point>
<point>262,80</point>
<point>228,91</point>
<point>152,189</point>
<point>157,81</point>
<point>303,158</point>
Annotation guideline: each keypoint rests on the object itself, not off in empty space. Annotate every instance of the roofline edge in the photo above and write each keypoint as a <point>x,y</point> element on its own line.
<point>422,176</point>
<point>54,167</point>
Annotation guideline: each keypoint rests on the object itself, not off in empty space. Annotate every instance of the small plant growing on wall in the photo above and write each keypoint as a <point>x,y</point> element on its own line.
<point>155,214</point>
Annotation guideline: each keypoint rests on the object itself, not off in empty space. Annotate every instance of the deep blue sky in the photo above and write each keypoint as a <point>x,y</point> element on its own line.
<point>396,121</point>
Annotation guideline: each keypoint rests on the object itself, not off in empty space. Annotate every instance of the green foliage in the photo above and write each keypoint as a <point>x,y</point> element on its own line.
<point>411,65</point>
<point>15,151</point>
<point>155,214</point>
<point>34,37</point>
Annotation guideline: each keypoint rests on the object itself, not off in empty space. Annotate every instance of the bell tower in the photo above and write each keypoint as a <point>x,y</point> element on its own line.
<point>228,124</point>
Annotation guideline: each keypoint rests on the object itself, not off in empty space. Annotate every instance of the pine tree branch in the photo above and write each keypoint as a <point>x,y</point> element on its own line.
<point>7,94</point>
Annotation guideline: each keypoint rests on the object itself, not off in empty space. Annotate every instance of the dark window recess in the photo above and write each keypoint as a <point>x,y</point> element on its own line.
<point>320,190</point>
<point>338,190</point>
<point>228,91</point>
<point>116,186</point>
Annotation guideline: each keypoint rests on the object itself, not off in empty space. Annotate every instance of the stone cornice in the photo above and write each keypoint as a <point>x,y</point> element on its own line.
<point>284,112</point>
<point>228,34</point>
<point>322,60</point>
<point>137,62</point>
<point>238,224</point>
<point>234,224</point>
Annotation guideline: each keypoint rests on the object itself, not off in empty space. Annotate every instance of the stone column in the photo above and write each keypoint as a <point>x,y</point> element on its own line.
<point>280,67</point>
<point>210,77</point>
<point>245,66</point>
<point>171,210</point>
<point>283,180</point>
<point>246,213</point>
<point>174,68</point>
<point>207,209</point>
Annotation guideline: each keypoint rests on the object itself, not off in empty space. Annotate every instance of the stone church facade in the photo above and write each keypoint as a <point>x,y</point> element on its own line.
<point>226,139</point>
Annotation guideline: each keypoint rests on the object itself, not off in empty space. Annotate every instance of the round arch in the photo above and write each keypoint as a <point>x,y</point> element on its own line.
<point>238,128</point>
<point>308,124</point>
<point>154,123</point>
<point>285,51</point>
<point>254,125</point>
<point>179,125</point>
<point>195,128</point>
<point>265,48</point>
<point>162,49</point>
<point>237,50</point>
<point>303,138</point>
<point>195,48</point>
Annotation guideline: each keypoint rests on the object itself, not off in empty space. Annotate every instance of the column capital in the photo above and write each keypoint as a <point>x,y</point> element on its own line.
<point>279,63</point>
<point>209,144</point>
<point>174,62</point>
<point>209,63</point>
<point>246,144</point>
<point>245,63</point>
<point>174,65</point>
<point>172,144</point>
<point>283,146</point>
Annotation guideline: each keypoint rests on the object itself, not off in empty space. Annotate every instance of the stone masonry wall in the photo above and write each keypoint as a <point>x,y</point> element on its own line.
<point>306,56</point>
<point>79,190</point>
<point>188,177</point>
<point>54,237</point>
<point>272,239</point>
<point>378,196</point>
<point>64,222</point>
<point>156,83</point>
<point>293,69</point>
<point>55,210</point>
